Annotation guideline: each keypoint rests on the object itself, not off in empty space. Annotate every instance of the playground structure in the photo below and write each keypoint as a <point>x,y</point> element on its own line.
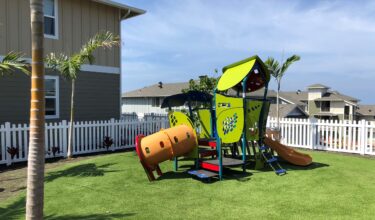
<point>231,129</point>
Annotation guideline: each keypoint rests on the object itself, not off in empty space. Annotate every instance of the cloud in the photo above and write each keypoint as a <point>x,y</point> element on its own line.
<point>178,40</point>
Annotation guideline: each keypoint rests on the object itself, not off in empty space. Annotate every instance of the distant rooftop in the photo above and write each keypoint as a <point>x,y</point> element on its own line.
<point>157,90</point>
<point>293,97</point>
<point>366,110</point>
<point>336,96</point>
<point>318,86</point>
<point>286,110</point>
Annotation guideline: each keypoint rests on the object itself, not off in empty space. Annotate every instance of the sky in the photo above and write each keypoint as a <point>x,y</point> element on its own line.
<point>177,40</point>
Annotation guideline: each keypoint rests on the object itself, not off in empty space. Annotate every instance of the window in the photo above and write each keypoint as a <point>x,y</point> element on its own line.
<point>346,112</point>
<point>51,86</point>
<point>155,102</point>
<point>325,106</point>
<point>50,19</point>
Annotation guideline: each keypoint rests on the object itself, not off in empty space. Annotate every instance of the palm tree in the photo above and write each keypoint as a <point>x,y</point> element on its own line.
<point>11,62</point>
<point>35,168</point>
<point>70,66</point>
<point>278,72</point>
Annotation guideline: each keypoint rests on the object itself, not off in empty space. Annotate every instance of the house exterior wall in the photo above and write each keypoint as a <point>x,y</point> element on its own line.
<point>315,93</point>
<point>78,20</point>
<point>97,97</point>
<point>338,108</point>
<point>367,118</point>
<point>142,105</point>
<point>313,108</point>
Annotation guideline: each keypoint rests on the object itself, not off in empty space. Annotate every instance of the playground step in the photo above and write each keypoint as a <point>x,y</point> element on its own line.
<point>273,159</point>
<point>211,142</point>
<point>209,166</point>
<point>226,162</point>
<point>204,152</point>
<point>213,164</point>
<point>280,171</point>
<point>202,174</point>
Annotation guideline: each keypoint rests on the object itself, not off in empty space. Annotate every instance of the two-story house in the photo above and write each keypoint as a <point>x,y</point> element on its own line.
<point>68,24</point>
<point>326,104</point>
<point>320,102</point>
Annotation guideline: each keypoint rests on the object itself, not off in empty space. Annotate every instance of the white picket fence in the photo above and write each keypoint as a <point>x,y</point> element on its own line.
<point>342,136</point>
<point>88,137</point>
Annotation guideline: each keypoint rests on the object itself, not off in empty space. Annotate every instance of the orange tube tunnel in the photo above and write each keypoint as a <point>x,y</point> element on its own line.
<point>164,145</point>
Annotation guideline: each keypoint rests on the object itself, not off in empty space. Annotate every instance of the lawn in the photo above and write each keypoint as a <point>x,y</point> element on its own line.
<point>114,186</point>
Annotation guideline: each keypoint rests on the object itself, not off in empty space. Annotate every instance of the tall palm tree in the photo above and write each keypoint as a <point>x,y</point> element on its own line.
<point>11,62</point>
<point>35,168</point>
<point>278,72</point>
<point>70,66</point>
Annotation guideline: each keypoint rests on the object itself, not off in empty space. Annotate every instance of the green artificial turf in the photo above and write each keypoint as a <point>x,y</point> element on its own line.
<point>115,187</point>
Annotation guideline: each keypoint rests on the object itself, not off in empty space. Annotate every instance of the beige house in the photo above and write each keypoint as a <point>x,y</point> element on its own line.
<point>326,104</point>
<point>68,24</point>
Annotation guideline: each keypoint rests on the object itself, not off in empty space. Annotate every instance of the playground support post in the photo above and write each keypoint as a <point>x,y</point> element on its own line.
<point>244,128</point>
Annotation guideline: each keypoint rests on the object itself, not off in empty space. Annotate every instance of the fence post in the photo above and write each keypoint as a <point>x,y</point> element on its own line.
<point>363,136</point>
<point>64,137</point>
<point>7,143</point>
<point>313,129</point>
<point>113,133</point>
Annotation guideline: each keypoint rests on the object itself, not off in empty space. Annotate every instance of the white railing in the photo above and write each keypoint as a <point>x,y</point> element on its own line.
<point>88,137</point>
<point>331,135</point>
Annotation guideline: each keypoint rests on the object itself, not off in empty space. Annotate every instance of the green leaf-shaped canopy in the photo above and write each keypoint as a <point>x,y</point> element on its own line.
<point>235,73</point>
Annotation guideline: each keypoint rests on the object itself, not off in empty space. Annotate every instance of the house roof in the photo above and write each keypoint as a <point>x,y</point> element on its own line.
<point>336,96</point>
<point>318,86</point>
<point>366,110</point>
<point>166,89</point>
<point>290,96</point>
<point>129,10</point>
<point>325,114</point>
<point>286,110</point>
<point>287,96</point>
<point>299,96</point>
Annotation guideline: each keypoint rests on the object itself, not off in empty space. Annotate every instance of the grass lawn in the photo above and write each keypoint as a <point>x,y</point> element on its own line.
<point>114,186</point>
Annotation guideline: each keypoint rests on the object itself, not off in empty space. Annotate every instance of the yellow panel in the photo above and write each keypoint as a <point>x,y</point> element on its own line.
<point>229,118</point>
<point>205,123</point>
<point>232,76</point>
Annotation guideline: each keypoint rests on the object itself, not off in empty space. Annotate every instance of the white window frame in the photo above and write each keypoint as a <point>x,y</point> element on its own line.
<point>57,97</point>
<point>56,18</point>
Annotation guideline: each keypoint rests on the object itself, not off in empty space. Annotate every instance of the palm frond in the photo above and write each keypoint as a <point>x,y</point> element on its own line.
<point>273,67</point>
<point>105,40</point>
<point>13,61</point>
<point>53,61</point>
<point>289,62</point>
<point>70,66</point>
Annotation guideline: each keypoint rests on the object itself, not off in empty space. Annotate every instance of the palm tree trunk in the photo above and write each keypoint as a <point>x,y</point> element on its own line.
<point>35,168</point>
<point>277,105</point>
<point>70,137</point>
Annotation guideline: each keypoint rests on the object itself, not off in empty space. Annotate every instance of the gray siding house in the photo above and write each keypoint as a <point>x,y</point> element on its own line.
<point>68,25</point>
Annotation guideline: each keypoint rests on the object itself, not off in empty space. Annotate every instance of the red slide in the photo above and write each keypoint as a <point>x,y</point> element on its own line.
<point>288,153</point>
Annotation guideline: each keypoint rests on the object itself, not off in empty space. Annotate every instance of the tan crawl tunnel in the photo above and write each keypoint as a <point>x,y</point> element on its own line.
<point>164,145</point>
